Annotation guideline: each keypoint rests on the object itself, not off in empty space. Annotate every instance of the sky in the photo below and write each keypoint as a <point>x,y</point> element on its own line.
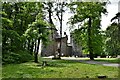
<point>112,9</point>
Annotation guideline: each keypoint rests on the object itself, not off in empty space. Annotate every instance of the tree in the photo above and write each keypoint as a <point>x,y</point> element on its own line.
<point>58,9</point>
<point>36,32</point>
<point>89,13</point>
<point>49,9</point>
<point>113,37</point>
<point>59,12</point>
<point>23,26</point>
<point>12,31</point>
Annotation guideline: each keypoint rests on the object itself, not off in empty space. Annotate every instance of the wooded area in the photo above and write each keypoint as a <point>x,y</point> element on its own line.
<point>24,25</point>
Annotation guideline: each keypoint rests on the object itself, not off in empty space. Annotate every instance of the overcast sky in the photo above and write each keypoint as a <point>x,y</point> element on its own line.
<point>111,8</point>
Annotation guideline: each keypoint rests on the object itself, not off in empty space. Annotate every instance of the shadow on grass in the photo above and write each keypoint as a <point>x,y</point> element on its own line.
<point>52,63</point>
<point>58,63</point>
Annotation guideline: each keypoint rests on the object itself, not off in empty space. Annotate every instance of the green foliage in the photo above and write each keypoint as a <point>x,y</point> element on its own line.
<point>16,57</point>
<point>112,37</point>
<point>17,34</point>
<point>37,30</point>
<point>12,40</point>
<point>84,11</point>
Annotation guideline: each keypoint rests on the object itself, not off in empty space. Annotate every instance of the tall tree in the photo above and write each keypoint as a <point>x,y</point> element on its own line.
<point>49,9</point>
<point>18,34</point>
<point>113,37</point>
<point>59,13</point>
<point>90,14</point>
<point>58,9</point>
<point>36,31</point>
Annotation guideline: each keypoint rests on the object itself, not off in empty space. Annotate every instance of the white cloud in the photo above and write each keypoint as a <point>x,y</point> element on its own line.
<point>112,10</point>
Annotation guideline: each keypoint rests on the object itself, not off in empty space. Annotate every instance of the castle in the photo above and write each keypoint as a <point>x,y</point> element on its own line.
<point>67,49</point>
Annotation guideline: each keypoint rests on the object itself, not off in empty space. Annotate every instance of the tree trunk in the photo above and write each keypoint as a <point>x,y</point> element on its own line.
<point>4,43</point>
<point>36,53</point>
<point>119,30</point>
<point>90,41</point>
<point>31,48</point>
<point>60,38</point>
<point>52,30</point>
<point>28,45</point>
<point>35,50</point>
<point>50,12</point>
<point>61,29</point>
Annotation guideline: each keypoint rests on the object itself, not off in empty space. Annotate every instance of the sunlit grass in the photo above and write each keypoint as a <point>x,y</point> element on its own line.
<point>57,69</point>
<point>111,60</point>
<point>0,71</point>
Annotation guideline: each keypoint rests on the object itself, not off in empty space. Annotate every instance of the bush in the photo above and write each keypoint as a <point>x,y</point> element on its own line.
<point>16,57</point>
<point>103,55</point>
<point>24,56</point>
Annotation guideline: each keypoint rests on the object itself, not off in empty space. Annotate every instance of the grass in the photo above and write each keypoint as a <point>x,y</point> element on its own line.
<point>111,60</point>
<point>57,69</point>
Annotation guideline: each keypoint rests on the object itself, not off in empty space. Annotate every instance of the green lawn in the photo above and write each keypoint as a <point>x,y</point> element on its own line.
<point>111,60</point>
<point>57,69</point>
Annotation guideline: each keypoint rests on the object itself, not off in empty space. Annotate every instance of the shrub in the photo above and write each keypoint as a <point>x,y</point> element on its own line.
<point>16,57</point>
<point>25,56</point>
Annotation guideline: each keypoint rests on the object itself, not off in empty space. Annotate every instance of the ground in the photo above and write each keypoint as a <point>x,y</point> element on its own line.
<point>114,62</point>
<point>58,69</point>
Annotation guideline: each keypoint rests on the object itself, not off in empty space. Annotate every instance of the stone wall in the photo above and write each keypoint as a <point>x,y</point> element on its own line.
<point>64,46</point>
<point>66,50</point>
<point>69,50</point>
<point>76,49</point>
<point>51,48</point>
